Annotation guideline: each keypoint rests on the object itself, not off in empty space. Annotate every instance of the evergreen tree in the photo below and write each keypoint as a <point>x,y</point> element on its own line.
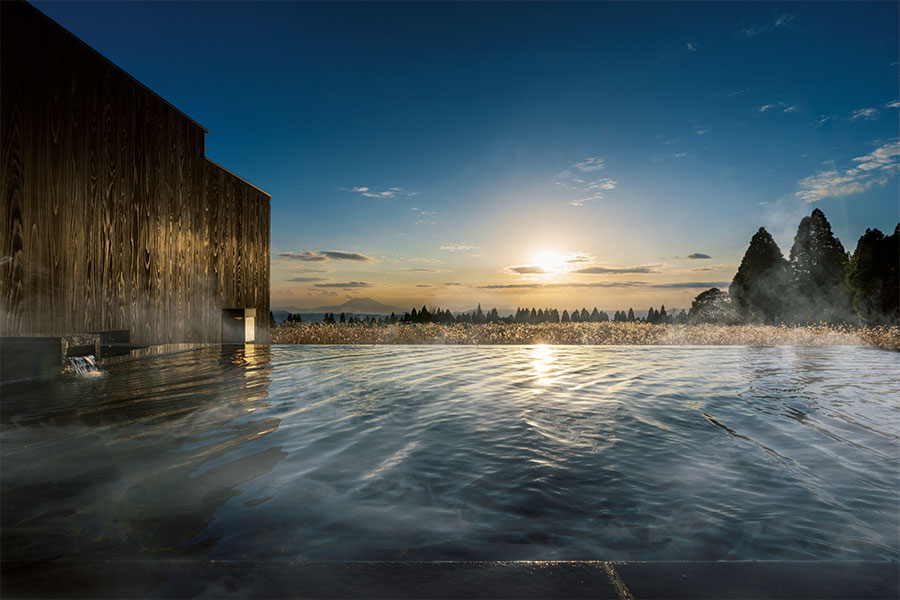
<point>630,317</point>
<point>554,316</point>
<point>595,315</point>
<point>479,315</point>
<point>565,317</point>
<point>604,317</point>
<point>662,317</point>
<point>760,288</point>
<point>343,318</point>
<point>873,278</point>
<point>713,306</point>
<point>532,318</point>
<point>817,263</point>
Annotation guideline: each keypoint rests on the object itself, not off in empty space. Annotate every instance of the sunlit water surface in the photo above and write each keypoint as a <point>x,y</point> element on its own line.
<point>451,453</point>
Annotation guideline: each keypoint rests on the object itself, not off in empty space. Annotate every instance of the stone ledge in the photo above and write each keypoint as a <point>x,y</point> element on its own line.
<point>466,579</point>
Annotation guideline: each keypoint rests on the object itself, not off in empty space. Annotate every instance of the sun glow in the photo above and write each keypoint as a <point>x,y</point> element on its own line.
<point>550,262</point>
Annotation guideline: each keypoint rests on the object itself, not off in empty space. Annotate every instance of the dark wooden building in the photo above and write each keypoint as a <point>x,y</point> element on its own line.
<point>111,216</point>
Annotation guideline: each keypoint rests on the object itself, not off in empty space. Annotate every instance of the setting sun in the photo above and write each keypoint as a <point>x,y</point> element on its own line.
<point>550,262</point>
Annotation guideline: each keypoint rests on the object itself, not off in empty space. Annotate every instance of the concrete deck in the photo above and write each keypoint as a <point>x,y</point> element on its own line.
<point>539,579</point>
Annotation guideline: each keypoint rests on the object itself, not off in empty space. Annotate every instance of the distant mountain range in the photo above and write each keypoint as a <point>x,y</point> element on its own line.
<point>370,307</point>
<point>357,306</point>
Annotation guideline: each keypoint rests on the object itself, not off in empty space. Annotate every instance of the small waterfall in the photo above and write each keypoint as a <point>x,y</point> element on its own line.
<point>85,366</point>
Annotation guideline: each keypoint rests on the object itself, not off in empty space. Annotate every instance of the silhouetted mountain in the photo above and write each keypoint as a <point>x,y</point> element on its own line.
<point>357,306</point>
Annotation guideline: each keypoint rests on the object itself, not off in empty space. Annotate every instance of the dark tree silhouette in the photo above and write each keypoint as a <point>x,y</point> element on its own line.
<point>713,306</point>
<point>820,290</point>
<point>873,277</point>
<point>630,317</point>
<point>762,282</point>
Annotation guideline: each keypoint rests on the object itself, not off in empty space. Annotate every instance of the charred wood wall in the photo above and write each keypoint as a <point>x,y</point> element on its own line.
<point>111,217</point>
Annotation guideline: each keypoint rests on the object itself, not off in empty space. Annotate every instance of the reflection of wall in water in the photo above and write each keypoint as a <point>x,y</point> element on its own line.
<point>112,216</point>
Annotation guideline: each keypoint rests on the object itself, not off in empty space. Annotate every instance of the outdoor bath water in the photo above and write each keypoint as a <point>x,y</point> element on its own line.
<point>289,453</point>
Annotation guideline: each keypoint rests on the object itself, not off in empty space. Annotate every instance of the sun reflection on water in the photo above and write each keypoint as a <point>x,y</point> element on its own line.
<point>542,362</point>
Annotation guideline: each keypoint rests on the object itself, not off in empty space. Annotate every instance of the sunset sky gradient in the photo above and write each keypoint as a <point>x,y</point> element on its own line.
<point>583,154</point>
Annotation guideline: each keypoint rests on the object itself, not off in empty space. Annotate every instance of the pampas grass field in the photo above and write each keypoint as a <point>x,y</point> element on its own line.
<point>588,334</point>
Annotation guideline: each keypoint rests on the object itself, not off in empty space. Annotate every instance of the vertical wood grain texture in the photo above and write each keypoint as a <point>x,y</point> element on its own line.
<point>112,218</point>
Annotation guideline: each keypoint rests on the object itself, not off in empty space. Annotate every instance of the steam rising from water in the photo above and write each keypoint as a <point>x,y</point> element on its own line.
<point>435,453</point>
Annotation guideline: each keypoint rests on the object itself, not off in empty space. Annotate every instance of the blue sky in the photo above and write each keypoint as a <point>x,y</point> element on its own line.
<point>539,154</point>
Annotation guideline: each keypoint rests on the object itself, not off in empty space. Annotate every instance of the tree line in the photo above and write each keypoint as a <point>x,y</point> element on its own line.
<point>818,282</point>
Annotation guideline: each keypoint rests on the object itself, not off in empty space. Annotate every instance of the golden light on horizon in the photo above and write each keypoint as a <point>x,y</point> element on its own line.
<point>550,262</point>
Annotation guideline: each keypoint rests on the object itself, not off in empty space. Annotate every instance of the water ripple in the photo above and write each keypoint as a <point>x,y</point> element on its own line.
<point>450,453</point>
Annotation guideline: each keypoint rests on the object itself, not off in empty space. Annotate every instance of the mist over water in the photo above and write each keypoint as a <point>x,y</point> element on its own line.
<point>460,452</point>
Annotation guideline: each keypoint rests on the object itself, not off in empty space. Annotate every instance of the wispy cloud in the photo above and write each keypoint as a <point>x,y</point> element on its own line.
<point>526,286</point>
<point>866,114</point>
<point>784,106</point>
<point>704,269</point>
<point>306,279</point>
<point>751,32</point>
<point>698,256</point>
<point>894,104</point>
<point>692,285</point>
<point>783,20</point>
<point>592,163</point>
<point>527,270</point>
<point>425,270</point>
<point>871,169</point>
<point>617,270</point>
<point>388,193</point>
<point>457,247</point>
<point>607,284</point>
<point>426,217</point>
<point>824,119</point>
<point>323,255</point>
<point>691,46</point>
<point>574,180</point>
<point>346,284</point>
<point>304,256</point>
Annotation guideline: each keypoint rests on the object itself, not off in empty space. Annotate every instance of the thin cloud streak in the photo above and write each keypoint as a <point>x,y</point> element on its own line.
<point>872,169</point>
<point>347,284</point>
<point>617,270</point>
<point>384,194</point>
<point>323,255</point>
<point>606,284</point>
